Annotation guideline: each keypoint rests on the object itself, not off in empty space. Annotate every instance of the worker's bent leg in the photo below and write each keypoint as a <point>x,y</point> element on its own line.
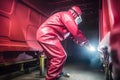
<point>56,57</point>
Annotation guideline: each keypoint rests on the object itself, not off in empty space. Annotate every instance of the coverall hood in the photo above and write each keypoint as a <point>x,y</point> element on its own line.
<point>77,9</point>
<point>76,13</point>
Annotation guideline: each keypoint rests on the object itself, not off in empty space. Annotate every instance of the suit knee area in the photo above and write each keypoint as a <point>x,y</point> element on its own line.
<point>63,57</point>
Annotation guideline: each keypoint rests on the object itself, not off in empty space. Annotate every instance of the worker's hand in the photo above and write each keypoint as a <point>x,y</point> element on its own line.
<point>89,46</point>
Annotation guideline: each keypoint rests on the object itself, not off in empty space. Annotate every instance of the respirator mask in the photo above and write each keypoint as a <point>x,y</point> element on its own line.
<point>78,20</point>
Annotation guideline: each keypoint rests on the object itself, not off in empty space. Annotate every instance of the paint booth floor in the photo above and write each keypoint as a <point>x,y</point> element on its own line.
<point>77,72</point>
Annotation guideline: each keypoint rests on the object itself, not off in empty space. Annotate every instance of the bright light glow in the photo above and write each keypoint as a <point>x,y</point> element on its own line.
<point>91,48</point>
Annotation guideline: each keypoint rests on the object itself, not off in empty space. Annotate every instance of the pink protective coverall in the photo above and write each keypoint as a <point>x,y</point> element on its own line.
<point>55,29</point>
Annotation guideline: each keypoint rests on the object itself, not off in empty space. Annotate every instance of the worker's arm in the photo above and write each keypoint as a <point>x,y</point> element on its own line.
<point>72,27</point>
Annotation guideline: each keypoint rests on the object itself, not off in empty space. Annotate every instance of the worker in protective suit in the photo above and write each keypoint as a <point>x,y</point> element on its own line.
<point>104,49</point>
<point>55,29</point>
<point>104,44</point>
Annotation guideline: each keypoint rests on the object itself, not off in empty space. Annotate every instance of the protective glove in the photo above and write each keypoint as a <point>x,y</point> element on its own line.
<point>89,46</point>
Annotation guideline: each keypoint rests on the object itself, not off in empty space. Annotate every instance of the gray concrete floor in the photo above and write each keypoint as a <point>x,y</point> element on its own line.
<point>77,72</point>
